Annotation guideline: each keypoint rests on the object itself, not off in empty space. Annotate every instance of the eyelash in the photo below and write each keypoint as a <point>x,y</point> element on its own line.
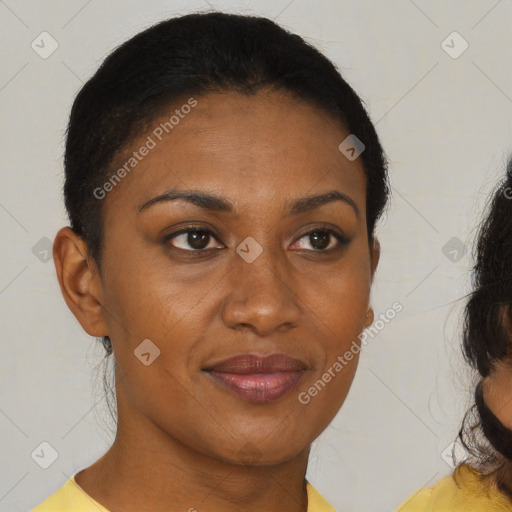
<point>341,239</point>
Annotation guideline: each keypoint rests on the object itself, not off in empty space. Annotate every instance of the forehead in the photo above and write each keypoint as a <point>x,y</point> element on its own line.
<point>251,148</point>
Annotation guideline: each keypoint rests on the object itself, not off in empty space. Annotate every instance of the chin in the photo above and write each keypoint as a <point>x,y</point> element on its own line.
<point>262,453</point>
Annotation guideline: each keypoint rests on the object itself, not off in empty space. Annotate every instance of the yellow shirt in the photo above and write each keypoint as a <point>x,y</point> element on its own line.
<point>72,498</point>
<point>467,492</point>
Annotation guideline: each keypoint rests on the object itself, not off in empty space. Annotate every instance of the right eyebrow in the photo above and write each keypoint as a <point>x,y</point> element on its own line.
<point>201,199</point>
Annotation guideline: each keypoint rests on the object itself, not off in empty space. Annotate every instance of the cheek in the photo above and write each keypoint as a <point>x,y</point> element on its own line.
<point>338,310</point>
<point>151,297</point>
<point>155,302</point>
<point>340,316</point>
<point>338,298</point>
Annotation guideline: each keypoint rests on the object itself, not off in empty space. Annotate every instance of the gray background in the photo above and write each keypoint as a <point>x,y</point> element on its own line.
<point>446,126</point>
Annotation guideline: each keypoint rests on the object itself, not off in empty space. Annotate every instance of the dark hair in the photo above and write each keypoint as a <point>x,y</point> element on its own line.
<point>487,336</point>
<point>193,55</point>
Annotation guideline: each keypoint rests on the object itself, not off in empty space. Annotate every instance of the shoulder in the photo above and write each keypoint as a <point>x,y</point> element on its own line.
<point>466,490</point>
<point>70,498</point>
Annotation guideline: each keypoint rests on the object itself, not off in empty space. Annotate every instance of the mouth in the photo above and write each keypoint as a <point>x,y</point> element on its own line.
<point>258,378</point>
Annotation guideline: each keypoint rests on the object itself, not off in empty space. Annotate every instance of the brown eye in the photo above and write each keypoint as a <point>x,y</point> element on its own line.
<point>321,240</point>
<point>198,239</point>
<point>191,239</point>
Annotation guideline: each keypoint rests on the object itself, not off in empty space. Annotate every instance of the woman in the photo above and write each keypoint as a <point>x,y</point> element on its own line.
<point>223,183</point>
<point>484,481</point>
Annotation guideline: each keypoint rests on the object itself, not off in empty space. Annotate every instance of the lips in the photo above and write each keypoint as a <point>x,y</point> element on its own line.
<point>258,378</point>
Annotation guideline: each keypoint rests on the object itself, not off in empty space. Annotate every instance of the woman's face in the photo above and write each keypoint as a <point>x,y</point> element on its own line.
<point>251,281</point>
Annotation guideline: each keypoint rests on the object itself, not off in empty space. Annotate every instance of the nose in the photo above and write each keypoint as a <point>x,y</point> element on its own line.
<point>261,296</point>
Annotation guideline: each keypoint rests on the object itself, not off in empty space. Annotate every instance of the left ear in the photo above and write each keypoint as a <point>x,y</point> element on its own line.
<point>374,261</point>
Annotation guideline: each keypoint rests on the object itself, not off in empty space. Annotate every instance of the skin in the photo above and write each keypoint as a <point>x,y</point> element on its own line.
<point>497,388</point>
<point>181,437</point>
<point>497,385</point>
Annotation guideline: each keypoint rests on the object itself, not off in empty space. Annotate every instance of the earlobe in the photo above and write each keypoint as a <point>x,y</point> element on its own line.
<point>369,317</point>
<point>79,281</point>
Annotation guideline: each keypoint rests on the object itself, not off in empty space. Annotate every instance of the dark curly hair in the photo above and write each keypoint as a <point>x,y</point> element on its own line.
<point>486,338</point>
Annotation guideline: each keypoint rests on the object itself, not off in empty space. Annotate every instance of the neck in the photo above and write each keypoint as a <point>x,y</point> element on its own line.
<point>146,469</point>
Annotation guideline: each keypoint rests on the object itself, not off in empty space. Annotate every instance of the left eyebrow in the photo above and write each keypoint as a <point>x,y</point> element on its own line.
<point>217,203</point>
<point>308,203</point>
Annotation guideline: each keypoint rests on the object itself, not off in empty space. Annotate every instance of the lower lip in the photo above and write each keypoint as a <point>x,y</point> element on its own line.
<point>259,387</point>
